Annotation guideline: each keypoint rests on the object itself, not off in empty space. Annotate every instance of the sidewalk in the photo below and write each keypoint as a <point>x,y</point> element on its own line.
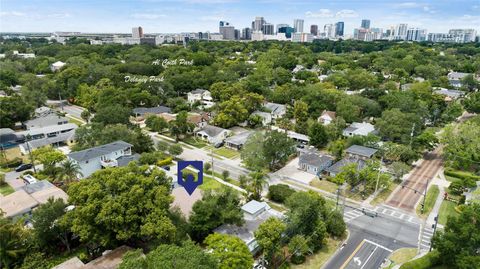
<point>442,183</point>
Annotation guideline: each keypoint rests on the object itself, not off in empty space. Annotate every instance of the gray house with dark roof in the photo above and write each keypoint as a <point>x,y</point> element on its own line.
<point>360,152</point>
<point>213,134</point>
<point>142,111</point>
<point>314,162</point>
<point>337,167</point>
<point>48,120</point>
<point>118,153</point>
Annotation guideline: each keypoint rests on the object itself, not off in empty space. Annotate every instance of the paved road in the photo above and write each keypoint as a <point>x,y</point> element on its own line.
<point>74,111</point>
<point>374,237</point>
<point>406,198</point>
<point>13,178</point>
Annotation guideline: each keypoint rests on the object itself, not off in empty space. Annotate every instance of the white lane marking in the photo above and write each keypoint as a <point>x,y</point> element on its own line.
<point>426,241</point>
<point>402,215</point>
<point>378,245</point>
<point>384,210</point>
<point>371,254</point>
<point>410,219</point>
<point>393,213</point>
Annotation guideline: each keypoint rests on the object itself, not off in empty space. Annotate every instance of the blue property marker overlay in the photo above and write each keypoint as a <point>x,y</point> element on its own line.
<point>189,183</point>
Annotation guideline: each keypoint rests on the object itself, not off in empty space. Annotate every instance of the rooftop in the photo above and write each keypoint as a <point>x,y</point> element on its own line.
<point>239,139</point>
<point>314,159</point>
<point>125,160</point>
<point>47,120</point>
<point>151,110</point>
<point>198,91</point>
<point>275,108</point>
<point>17,203</point>
<point>94,152</point>
<point>253,207</point>
<point>338,166</point>
<point>212,131</point>
<point>49,129</point>
<point>361,150</point>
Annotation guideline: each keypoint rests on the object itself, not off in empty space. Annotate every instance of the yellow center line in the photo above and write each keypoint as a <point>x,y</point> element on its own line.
<point>354,252</point>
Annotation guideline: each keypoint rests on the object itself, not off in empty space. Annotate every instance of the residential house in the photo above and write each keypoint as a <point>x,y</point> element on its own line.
<point>266,117</point>
<point>23,55</point>
<point>254,214</point>
<point>56,66</point>
<point>110,259</point>
<point>47,120</point>
<point>360,152</point>
<point>237,141</point>
<point>200,120</point>
<point>118,153</point>
<point>472,195</point>
<point>455,78</point>
<point>299,138</point>
<point>202,96</point>
<point>141,113</point>
<point>10,138</point>
<point>54,135</point>
<point>61,139</point>
<point>450,95</point>
<point>357,128</point>
<point>276,110</point>
<point>337,167</point>
<point>213,134</point>
<point>26,199</point>
<point>327,117</point>
<point>314,162</point>
<point>42,111</point>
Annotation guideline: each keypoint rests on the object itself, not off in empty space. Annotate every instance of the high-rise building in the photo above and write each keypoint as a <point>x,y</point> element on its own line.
<point>257,24</point>
<point>226,30</point>
<point>339,26</point>
<point>137,32</point>
<point>401,31</point>
<point>314,29</point>
<point>416,34</point>
<point>246,33</point>
<point>268,29</point>
<point>280,25</point>
<point>298,25</point>
<point>329,30</point>
<point>465,35</point>
<point>287,30</point>
<point>365,24</point>
<point>237,34</point>
<point>302,37</point>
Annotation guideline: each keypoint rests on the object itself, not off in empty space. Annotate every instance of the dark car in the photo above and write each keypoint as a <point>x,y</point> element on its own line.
<point>218,145</point>
<point>166,167</point>
<point>300,146</point>
<point>23,167</point>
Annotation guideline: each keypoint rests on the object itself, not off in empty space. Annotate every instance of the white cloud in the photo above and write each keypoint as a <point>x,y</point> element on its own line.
<point>346,13</point>
<point>407,5</point>
<point>147,16</point>
<point>322,13</point>
<point>58,15</point>
<point>12,14</point>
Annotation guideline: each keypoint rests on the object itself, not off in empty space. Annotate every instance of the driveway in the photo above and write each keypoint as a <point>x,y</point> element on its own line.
<point>292,172</point>
<point>13,178</point>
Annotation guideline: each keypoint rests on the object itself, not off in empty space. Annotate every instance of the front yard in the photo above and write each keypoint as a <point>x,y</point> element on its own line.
<point>447,209</point>
<point>318,259</point>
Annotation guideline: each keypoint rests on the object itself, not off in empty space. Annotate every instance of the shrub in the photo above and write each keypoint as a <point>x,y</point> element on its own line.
<point>461,175</point>
<point>150,157</point>
<point>207,166</point>
<point>425,262</point>
<point>279,193</point>
<point>2,179</point>
<point>11,163</point>
<point>165,161</point>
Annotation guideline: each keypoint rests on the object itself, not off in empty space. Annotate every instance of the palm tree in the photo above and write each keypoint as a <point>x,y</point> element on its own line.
<point>70,170</point>
<point>257,181</point>
<point>12,242</point>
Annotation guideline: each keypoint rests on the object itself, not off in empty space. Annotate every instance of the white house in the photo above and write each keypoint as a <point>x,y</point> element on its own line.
<point>23,55</point>
<point>202,96</point>
<point>114,154</point>
<point>42,111</point>
<point>48,131</point>
<point>266,117</point>
<point>213,134</point>
<point>276,110</point>
<point>455,78</point>
<point>56,66</point>
<point>357,128</point>
<point>327,117</point>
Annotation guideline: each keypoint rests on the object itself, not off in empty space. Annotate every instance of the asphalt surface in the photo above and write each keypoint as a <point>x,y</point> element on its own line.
<point>74,111</point>
<point>374,236</point>
<point>406,198</point>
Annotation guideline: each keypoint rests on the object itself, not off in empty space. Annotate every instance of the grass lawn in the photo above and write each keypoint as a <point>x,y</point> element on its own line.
<point>74,120</point>
<point>383,195</point>
<point>210,184</point>
<point>403,255</point>
<point>277,207</point>
<point>447,209</point>
<point>318,259</point>
<point>432,194</point>
<point>6,189</point>
<point>226,152</point>
<point>324,185</point>
<point>451,179</point>
<point>195,142</point>
<point>13,153</point>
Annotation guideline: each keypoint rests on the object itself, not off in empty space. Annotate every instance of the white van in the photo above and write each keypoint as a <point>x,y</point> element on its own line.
<point>29,179</point>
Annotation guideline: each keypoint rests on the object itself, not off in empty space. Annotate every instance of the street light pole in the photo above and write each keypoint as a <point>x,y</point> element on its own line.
<point>424,196</point>
<point>378,175</point>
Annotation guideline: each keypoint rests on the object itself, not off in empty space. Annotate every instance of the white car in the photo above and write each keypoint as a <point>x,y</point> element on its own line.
<point>29,179</point>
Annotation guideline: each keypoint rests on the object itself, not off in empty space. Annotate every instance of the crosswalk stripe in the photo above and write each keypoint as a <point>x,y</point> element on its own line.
<point>384,210</point>
<point>427,241</point>
<point>423,245</point>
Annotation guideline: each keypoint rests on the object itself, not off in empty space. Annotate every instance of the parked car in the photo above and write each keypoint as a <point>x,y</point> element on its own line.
<point>23,167</point>
<point>29,179</point>
<point>218,145</point>
<point>166,167</point>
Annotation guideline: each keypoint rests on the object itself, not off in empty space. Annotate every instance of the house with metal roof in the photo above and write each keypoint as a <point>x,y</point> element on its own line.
<point>314,162</point>
<point>449,94</point>
<point>141,112</point>
<point>213,134</point>
<point>337,167</point>
<point>360,152</point>
<point>276,110</point>
<point>254,214</point>
<point>455,78</point>
<point>118,153</point>
<point>327,117</point>
<point>359,128</point>
<point>42,111</point>
<point>48,120</point>
<point>237,141</point>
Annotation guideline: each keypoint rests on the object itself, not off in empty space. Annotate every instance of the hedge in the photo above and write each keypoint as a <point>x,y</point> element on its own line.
<point>430,260</point>
<point>11,163</point>
<point>461,175</point>
<point>166,161</point>
<point>279,193</point>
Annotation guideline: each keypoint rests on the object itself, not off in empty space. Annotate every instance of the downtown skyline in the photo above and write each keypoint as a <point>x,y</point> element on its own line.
<point>159,16</point>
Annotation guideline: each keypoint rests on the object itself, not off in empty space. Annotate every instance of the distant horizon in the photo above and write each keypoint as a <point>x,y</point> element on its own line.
<point>169,16</point>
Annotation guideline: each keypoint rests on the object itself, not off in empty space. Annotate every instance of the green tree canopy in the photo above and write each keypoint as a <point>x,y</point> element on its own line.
<point>230,251</point>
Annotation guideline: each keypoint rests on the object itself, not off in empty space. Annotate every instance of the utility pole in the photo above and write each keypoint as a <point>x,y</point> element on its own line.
<point>424,196</point>
<point>30,153</point>
<point>378,175</point>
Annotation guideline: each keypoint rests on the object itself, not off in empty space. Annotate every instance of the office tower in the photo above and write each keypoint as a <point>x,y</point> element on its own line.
<point>401,31</point>
<point>416,34</point>
<point>365,24</point>
<point>237,34</point>
<point>228,32</point>
<point>246,33</point>
<point>329,30</point>
<point>257,24</point>
<point>137,32</point>
<point>287,30</point>
<point>280,25</point>
<point>314,29</point>
<point>298,25</point>
<point>268,29</point>
<point>302,37</point>
<point>339,26</point>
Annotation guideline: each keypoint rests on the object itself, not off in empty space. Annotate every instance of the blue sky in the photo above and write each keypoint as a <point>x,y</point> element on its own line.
<point>163,16</point>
